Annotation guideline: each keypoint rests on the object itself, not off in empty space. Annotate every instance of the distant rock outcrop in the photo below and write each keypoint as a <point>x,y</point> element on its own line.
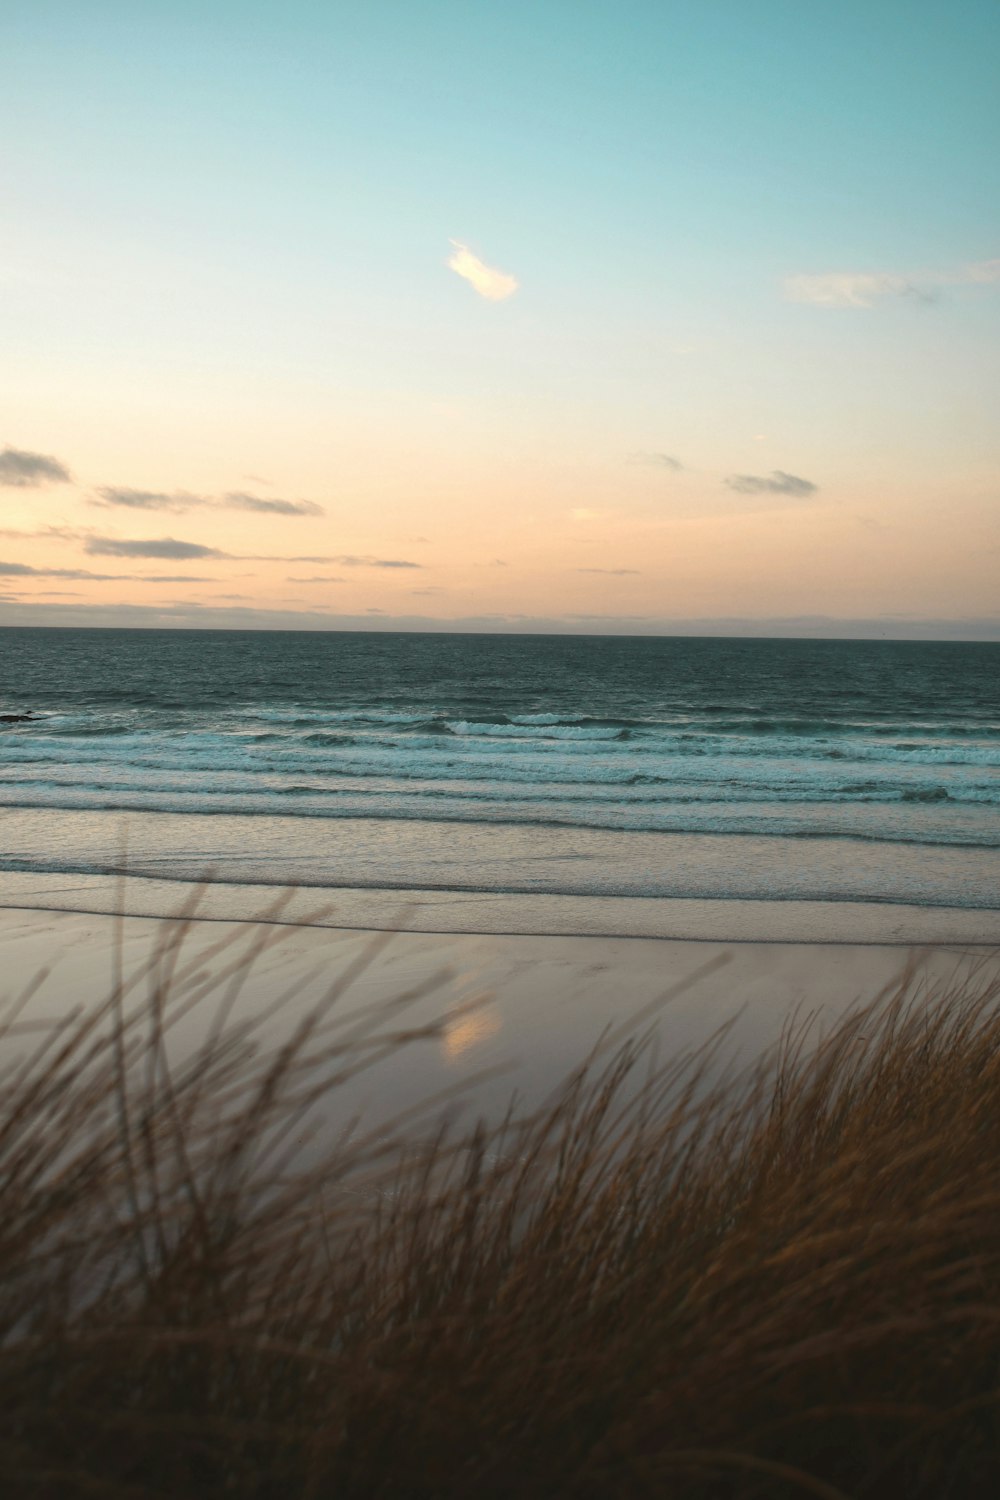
<point>18,718</point>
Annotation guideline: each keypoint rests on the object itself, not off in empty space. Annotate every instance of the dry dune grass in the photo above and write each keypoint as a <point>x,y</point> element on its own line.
<point>658,1284</point>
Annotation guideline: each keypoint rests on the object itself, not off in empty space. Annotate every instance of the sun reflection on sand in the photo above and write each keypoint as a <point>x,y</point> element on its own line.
<point>468,1030</point>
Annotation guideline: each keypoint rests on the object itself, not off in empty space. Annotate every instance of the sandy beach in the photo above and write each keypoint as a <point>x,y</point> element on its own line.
<point>524,1006</point>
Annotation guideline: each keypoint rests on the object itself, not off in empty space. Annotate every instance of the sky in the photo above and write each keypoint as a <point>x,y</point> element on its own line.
<point>628,316</point>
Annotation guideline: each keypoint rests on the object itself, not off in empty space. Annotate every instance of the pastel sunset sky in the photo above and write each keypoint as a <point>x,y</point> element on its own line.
<point>549,314</point>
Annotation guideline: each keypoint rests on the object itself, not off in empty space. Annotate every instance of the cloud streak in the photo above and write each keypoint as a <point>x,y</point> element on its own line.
<point>270,507</point>
<point>657,461</point>
<point>167,546</point>
<point>366,562</point>
<point>866,288</point>
<point>25,570</point>
<point>490,283</point>
<point>173,547</point>
<point>775,483</point>
<point>345,560</point>
<point>123,497</point>
<point>28,471</point>
<point>50,533</point>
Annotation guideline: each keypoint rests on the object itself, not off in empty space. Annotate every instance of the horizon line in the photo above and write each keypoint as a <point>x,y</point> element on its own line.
<point>917,633</point>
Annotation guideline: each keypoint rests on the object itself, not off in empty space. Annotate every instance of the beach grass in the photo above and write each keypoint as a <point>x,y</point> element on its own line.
<point>669,1279</point>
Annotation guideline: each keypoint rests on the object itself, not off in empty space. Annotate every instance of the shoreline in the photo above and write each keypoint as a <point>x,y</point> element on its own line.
<point>540,914</point>
<point>519,878</point>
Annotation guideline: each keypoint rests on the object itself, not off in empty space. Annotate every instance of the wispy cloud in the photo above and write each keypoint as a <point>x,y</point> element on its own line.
<point>271,507</point>
<point>775,483</point>
<point>865,288</point>
<point>486,280</point>
<point>657,461</point>
<point>167,546</point>
<point>982,272</point>
<point>25,570</point>
<point>344,560</point>
<point>51,533</point>
<point>121,496</point>
<point>27,471</point>
<point>854,289</point>
<point>611,572</point>
<point>115,496</point>
<point>372,562</point>
<point>317,578</point>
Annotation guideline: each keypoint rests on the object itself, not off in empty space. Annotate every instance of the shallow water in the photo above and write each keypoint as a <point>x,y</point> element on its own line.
<point>698,769</point>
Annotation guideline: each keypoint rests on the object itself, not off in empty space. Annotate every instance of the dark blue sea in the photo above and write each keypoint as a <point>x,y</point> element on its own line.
<point>709,768</point>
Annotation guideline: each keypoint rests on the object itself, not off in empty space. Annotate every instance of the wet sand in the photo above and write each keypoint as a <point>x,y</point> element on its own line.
<point>523,1007</point>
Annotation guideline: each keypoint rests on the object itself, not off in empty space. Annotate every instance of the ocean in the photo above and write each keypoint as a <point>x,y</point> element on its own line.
<point>774,770</point>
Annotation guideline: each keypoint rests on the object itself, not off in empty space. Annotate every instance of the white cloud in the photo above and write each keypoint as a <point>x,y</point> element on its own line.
<point>865,288</point>
<point>486,280</point>
<point>983,271</point>
<point>850,289</point>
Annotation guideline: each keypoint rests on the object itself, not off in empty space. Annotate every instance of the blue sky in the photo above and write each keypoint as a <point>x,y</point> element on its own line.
<point>760,238</point>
